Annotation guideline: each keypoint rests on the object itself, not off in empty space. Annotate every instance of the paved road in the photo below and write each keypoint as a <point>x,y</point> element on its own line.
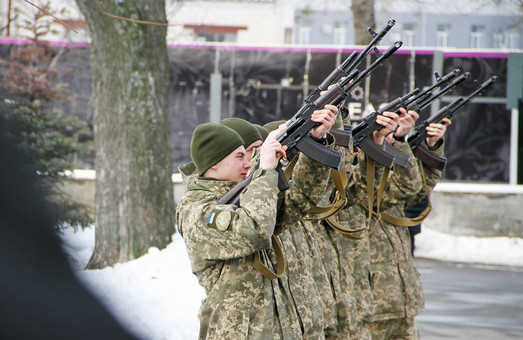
<point>470,301</point>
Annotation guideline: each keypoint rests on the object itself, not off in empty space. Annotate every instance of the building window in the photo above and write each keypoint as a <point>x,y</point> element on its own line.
<point>408,34</point>
<point>304,35</point>
<point>476,36</point>
<point>216,37</point>
<point>442,35</point>
<point>511,40</point>
<point>339,33</point>
<point>288,35</point>
<point>498,40</point>
<point>505,40</point>
<point>204,33</point>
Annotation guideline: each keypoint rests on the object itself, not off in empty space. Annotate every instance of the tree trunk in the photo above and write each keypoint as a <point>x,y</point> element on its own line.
<point>130,76</point>
<point>363,14</point>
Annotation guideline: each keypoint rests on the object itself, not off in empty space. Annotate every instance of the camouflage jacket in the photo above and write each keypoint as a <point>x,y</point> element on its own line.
<point>221,241</point>
<point>357,253</point>
<point>308,280</point>
<point>338,301</point>
<point>396,285</point>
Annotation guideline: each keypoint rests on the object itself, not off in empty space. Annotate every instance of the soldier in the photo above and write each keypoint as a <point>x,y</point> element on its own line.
<point>308,281</point>
<point>355,310</point>
<point>250,135</point>
<point>344,260</point>
<point>357,252</point>
<point>396,286</point>
<point>223,240</point>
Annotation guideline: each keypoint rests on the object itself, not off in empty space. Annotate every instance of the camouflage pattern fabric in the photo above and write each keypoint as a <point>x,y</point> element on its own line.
<point>301,282</point>
<point>307,277</point>
<point>357,252</point>
<point>221,241</point>
<point>321,278</point>
<point>337,298</point>
<point>396,285</point>
<point>404,328</point>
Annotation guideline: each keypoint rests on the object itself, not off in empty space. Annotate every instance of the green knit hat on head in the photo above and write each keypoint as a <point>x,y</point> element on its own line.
<point>263,131</point>
<point>211,143</point>
<point>245,129</point>
<point>271,126</point>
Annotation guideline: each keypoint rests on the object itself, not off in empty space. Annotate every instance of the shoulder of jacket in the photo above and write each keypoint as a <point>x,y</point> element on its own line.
<point>195,186</point>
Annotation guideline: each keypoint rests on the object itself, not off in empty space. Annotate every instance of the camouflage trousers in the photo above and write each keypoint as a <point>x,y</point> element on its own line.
<point>361,331</point>
<point>394,329</point>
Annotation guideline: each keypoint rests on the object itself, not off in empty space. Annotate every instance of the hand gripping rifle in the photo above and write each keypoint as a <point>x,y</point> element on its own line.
<point>296,134</point>
<point>419,134</point>
<point>418,101</point>
<point>414,100</point>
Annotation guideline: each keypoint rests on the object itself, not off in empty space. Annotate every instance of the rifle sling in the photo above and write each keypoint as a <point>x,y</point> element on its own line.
<point>351,233</point>
<point>405,221</point>
<point>321,213</point>
<point>340,181</point>
<point>280,260</point>
<point>410,222</point>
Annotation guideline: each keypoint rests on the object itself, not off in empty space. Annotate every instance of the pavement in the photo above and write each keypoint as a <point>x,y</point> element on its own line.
<point>468,301</point>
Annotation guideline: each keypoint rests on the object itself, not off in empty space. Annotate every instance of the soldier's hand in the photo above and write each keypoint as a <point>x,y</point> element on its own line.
<point>389,121</point>
<point>271,150</point>
<point>327,118</point>
<point>436,131</point>
<point>406,122</point>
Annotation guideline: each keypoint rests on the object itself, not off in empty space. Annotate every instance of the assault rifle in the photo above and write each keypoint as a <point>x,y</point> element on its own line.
<point>351,63</point>
<point>296,134</point>
<point>419,134</point>
<point>415,100</point>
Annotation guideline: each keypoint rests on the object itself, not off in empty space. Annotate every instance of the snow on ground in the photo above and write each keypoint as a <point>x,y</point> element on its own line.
<point>157,297</point>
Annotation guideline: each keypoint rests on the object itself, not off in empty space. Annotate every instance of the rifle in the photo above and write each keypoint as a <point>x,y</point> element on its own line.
<point>414,100</point>
<point>296,134</point>
<point>350,64</point>
<point>419,133</point>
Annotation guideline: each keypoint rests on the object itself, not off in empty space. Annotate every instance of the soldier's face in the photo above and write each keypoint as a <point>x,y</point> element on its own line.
<point>251,148</point>
<point>234,167</point>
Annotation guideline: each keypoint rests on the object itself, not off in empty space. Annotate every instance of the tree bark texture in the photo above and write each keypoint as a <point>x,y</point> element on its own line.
<point>363,14</point>
<point>130,78</point>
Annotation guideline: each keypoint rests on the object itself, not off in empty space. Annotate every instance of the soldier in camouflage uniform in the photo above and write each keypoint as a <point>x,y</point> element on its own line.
<point>355,250</point>
<point>248,132</point>
<point>396,286</point>
<point>306,277</point>
<point>345,262</point>
<point>222,240</point>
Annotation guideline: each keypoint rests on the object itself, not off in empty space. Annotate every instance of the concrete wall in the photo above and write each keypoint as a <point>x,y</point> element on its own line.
<point>477,209</point>
<point>459,209</point>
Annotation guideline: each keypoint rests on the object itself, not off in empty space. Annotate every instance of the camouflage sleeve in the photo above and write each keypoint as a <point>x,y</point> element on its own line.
<point>214,232</point>
<point>431,176</point>
<point>356,189</point>
<point>309,182</point>
<point>403,184</point>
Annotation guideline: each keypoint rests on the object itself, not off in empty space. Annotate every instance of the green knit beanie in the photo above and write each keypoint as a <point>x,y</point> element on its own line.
<point>211,143</point>
<point>263,131</point>
<point>245,129</point>
<point>271,126</point>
